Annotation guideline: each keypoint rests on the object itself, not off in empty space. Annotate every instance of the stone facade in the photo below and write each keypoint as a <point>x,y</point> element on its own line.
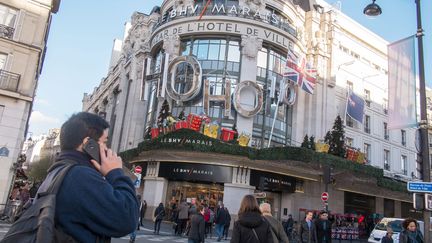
<point>22,48</point>
<point>345,54</point>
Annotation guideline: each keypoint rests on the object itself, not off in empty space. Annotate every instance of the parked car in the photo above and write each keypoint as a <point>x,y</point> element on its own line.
<point>395,224</point>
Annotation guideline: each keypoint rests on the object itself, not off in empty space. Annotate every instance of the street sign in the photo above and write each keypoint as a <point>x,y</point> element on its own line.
<point>419,186</point>
<point>138,169</point>
<point>324,196</point>
<point>4,152</point>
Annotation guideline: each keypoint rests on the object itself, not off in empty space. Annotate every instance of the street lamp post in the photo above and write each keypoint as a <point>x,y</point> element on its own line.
<point>373,10</point>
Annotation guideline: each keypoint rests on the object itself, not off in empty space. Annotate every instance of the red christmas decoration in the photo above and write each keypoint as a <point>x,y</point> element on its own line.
<point>194,122</point>
<point>154,133</point>
<point>181,124</point>
<point>227,134</point>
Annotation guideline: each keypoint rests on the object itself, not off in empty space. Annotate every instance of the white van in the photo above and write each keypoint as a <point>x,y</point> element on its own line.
<point>380,229</point>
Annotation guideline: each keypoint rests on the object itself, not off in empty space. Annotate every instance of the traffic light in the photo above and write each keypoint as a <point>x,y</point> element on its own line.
<point>327,177</point>
<point>419,201</point>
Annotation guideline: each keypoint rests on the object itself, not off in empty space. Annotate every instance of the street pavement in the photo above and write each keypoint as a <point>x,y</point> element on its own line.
<point>145,234</point>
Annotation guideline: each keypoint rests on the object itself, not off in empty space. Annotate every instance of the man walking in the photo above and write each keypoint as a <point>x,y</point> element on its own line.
<point>183,216</point>
<point>323,228</point>
<point>307,230</point>
<point>276,227</point>
<point>221,217</point>
<point>95,195</point>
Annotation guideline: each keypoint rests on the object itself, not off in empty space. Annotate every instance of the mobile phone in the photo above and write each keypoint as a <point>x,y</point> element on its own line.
<point>92,149</point>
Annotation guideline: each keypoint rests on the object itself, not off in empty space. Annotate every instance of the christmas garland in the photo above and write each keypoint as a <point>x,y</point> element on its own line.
<point>186,139</point>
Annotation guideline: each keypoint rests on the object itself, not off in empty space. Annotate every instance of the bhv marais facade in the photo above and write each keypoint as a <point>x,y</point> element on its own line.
<point>240,47</point>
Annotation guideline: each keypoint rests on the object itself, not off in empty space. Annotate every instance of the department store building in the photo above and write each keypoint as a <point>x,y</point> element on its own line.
<point>233,43</point>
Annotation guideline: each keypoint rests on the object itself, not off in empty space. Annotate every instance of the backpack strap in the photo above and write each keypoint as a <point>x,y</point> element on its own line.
<point>55,177</point>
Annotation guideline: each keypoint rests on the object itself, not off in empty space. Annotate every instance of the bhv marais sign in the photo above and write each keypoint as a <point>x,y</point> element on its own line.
<point>230,10</point>
<point>195,89</point>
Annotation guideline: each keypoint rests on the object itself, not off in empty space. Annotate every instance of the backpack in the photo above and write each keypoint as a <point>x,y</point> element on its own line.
<point>37,221</point>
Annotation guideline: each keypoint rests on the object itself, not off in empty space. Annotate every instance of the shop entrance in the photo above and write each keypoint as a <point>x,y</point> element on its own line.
<point>208,194</point>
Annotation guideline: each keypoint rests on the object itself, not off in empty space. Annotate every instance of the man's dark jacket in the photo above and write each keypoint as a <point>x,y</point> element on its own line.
<point>197,230</point>
<point>307,235</point>
<point>90,206</point>
<point>221,216</point>
<point>323,232</point>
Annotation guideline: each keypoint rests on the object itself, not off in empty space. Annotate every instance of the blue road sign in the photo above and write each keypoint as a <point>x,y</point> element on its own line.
<point>425,187</point>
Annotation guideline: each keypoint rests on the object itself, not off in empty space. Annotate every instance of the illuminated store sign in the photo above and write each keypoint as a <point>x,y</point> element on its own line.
<point>195,172</point>
<point>273,181</point>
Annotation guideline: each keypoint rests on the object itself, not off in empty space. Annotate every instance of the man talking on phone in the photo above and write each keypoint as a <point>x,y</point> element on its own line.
<point>96,201</point>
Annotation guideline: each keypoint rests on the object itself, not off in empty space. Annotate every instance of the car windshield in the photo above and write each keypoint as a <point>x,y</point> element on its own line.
<point>395,225</point>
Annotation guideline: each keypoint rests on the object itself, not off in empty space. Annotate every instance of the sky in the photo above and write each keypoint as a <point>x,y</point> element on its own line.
<point>82,33</point>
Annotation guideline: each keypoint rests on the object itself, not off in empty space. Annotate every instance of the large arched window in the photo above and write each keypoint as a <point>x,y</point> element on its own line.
<point>220,61</point>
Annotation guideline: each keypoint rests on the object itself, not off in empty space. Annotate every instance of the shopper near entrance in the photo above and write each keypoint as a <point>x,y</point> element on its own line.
<point>323,228</point>
<point>94,197</point>
<point>277,229</point>
<point>251,227</point>
<point>227,223</point>
<point>388,237</point>
<point>220,220</point>
<point>183,216</point>
<point>197,229</point>
<point>307,230</point>
<point>410,232</point>
<point>159,214</point>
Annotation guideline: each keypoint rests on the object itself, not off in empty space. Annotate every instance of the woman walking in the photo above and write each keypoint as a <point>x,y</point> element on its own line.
<point>251,227</point>
<point>197,229</point>
<point>410,232</point>
<point>159,214</point>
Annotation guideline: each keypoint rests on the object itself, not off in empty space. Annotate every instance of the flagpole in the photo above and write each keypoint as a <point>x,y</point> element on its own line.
<point>281,92</point>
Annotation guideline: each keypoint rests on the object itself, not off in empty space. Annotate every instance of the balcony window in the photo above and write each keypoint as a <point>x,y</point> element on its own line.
<point>386,131</point>
<point>2,60</point>
<point>367,97</point>
<point>367,151</point>
<point>386,159</point>
<point>349,141</point>
<point>367,128</point>
<point>403,137</point>
<point>7,21</point>
<point>9,81</point>
<point>404,164</point>
<point>349,121</point>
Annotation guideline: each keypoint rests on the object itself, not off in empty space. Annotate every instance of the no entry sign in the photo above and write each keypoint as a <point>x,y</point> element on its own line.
<point>324,196</point>
<point>138,169</point>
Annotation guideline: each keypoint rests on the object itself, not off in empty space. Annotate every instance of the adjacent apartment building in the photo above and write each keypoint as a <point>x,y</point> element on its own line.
<point>24,28</point>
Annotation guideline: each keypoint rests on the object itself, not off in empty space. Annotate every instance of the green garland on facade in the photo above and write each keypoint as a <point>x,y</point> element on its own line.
<point>186,139</point>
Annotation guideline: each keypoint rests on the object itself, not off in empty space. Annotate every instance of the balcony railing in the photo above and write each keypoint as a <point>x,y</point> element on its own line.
<point>9,81</point>
<point>6,31</point>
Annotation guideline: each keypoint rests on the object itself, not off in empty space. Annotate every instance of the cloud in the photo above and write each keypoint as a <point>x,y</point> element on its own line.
<point>38,117</point>
<point>44,102</point>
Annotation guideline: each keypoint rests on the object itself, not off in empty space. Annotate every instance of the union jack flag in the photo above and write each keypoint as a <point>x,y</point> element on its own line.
<point>300,72</point>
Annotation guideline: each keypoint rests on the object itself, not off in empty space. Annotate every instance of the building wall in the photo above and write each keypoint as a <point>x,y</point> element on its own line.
<point>24,50</point>
<point>341,50</point>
